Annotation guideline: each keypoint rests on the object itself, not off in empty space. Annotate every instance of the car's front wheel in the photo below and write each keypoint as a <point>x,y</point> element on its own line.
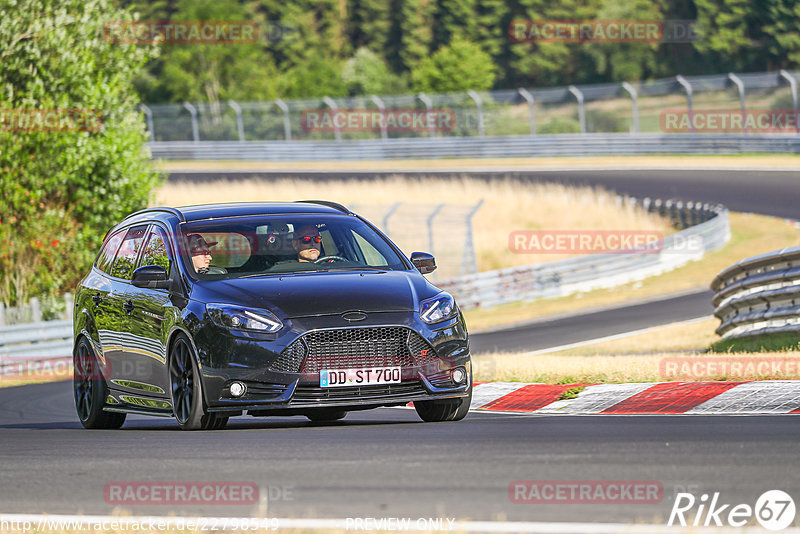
<point>435,411</point>
<point>90,390</point>
<point>187,390</point>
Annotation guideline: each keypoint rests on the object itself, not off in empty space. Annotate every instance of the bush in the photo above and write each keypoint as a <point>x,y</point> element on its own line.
<point>64,185</point>
<point>559,126</point>
<point>459,66</point>
<point>598,120</point>
<point>367,74</point>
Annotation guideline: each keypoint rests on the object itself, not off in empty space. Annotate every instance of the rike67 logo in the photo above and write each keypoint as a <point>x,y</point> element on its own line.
<point>774,510</point>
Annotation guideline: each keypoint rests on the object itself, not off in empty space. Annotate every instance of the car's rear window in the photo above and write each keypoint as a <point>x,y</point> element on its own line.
<point>249,246</point>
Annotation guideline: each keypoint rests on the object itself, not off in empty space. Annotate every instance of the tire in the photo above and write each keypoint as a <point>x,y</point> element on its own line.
<point>90,390</point>
<point>326,415</point>
<point>436,411</point>
<point>186,390</point>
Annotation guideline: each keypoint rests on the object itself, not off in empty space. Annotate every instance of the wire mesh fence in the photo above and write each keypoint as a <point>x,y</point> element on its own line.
<point>444,230</point>
<point>603,108</point>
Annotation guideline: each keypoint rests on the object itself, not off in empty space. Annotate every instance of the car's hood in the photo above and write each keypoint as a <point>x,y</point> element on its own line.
<point>306,294</point>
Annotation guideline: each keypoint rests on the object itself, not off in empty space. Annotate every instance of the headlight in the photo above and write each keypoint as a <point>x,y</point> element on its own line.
<point>438,308</point>
<point>230,316</point>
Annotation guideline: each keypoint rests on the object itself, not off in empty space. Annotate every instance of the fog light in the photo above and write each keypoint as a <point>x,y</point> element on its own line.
<point>237,389</point>
<point>459,375</point>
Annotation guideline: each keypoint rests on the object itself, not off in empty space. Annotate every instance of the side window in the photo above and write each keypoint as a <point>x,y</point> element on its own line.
<point>371,254</point>
<point>106,257</point>
<point>156,252</point>
<point>128,251</point>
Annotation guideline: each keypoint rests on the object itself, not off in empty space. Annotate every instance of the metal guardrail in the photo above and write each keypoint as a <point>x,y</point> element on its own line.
<point>759,295</point>
<point>47,339</point>
<point>711,231</point>
<point>477,147</point>
<point>630,106</point>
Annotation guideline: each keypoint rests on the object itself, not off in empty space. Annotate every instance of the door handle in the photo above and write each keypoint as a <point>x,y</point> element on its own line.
<point>128,306</point>
<point>97,299</point>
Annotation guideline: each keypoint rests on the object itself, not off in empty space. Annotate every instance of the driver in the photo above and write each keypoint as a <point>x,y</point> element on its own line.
<point>200,250</point>
<point>307,243</point>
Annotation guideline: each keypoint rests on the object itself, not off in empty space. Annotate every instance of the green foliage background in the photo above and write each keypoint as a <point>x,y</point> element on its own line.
<point>61,190</point>
<point>417,45</point>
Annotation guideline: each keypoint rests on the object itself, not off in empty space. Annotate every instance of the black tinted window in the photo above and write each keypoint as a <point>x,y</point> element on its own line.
<point>128,251</point>
<point>156,251</point>
<point>106,257</point>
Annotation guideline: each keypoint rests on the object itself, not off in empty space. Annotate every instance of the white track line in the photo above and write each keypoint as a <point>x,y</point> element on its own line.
<point>40,522</point>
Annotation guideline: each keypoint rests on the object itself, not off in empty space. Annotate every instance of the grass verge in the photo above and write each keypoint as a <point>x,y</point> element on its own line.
<point>770,343</point>
<point>675,352</point>
<point>619,369</point>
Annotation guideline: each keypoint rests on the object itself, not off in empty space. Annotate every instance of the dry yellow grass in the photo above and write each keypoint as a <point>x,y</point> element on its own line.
<point>750,234</point>
<point>764,161</point>
<point>682,336</point>
<point>508,206</point>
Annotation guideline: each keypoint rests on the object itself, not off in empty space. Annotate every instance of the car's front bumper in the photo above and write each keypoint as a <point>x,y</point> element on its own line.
<point>274,387</point>
<point>299,397</point>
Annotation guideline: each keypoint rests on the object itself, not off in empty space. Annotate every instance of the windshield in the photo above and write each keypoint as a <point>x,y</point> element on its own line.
<point>253,246</point>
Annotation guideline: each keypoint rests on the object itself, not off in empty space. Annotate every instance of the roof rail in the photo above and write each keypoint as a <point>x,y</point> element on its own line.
<point>165,209</point>
<point>334,205</point>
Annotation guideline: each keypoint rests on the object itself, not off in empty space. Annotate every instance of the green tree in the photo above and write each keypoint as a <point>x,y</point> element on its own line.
<point>217,72</point>
<point>369,23</point>
<point>784,21</point>
<point>542,64</point>
<point>459,66</point>
<point>65,183</point>
<point>315,77</point>
<point>624,61</point>
<point>732,33</point>
<point>411,33</point>
<point>455,18</point>
<point>366,73</point>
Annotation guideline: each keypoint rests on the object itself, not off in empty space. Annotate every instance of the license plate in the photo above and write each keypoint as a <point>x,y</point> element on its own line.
<point>359,377</point>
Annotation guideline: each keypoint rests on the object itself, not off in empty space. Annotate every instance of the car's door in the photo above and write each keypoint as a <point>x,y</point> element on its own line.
<point>98,287</point>
<point>149,324</point>
<point>116,336</point>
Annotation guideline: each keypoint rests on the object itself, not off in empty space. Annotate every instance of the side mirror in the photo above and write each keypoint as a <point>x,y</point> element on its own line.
<point>424,262</point>
<point>151,277</point>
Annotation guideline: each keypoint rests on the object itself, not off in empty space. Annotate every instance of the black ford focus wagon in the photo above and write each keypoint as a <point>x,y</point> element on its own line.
<point>296,308</point>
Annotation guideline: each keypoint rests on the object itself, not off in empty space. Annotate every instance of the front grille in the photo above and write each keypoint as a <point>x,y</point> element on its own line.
<point>291,358</point>
<point>306,393</point>
<point>357,348</point>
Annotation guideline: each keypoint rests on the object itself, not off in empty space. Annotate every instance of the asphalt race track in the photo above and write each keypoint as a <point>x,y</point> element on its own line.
<point>573,328</point>
<point>386,463</point>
